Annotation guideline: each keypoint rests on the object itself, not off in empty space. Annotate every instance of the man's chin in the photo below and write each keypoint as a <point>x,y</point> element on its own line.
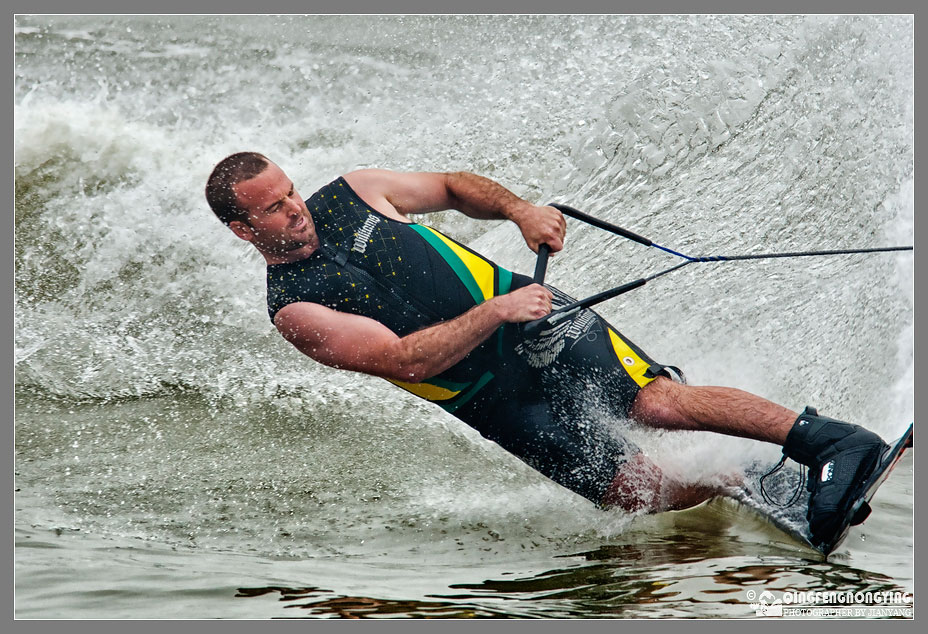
<point>300,243</point>
<point>284,249</point>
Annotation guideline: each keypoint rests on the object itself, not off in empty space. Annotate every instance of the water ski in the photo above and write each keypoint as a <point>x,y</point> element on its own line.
<point>790,516</point>
<point>860,509</point>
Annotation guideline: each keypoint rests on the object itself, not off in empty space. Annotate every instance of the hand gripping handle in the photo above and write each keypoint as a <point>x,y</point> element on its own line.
<point>541,264</point>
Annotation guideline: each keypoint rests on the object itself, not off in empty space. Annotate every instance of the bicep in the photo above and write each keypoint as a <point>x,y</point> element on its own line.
<point>403,192</point>
<point>339,340</point>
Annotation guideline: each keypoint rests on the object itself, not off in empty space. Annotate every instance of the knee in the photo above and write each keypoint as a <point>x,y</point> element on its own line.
<point>657,401</point>
<point>636,487</point>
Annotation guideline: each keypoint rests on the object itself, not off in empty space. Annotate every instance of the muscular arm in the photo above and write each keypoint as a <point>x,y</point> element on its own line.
<point>400,194</point>
<point>352,342</point>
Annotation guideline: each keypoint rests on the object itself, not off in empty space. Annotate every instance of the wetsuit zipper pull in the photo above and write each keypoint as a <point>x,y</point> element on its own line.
<point>340,257</point>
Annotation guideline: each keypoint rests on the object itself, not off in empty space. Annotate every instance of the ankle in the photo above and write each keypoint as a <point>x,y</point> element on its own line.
<point>813,438</point>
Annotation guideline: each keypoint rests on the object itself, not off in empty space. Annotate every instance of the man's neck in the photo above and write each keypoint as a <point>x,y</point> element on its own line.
<point>300,253</point>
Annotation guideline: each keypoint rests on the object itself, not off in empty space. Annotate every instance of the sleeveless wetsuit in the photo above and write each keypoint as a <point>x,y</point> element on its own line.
<point>548,400</point>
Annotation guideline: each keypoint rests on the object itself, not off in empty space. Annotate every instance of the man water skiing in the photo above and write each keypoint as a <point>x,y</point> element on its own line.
<point>355,284</point>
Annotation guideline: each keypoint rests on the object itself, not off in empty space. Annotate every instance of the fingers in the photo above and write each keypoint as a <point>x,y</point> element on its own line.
<point>527,303</point>
<point>543,302</point>
<point>545,225</point>
<point>538,303</point>
<point>555,228</point>
<point>555,244</point>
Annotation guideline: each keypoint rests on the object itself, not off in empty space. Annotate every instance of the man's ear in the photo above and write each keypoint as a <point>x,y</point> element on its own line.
<point>242,230</point>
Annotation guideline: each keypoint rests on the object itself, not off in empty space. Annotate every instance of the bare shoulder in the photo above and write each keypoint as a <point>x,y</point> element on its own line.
<point>398,194</point>
<point>371,177</point>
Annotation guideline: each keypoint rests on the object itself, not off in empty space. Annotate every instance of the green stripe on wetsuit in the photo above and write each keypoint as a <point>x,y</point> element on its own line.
<point>482,279</point>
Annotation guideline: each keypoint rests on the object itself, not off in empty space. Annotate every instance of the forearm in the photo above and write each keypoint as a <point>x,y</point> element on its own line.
<point>430,351</point>
<point>398,195</point>
<point>361,344</point>
<point>481,198</point>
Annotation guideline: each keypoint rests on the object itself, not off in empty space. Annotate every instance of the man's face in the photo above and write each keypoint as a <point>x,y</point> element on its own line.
<point>278,220</point>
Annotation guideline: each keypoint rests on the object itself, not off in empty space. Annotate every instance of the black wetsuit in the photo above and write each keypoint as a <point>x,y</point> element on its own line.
<point>550,400</point>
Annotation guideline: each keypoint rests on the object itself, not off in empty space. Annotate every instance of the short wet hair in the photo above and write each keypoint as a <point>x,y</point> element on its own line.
<point>231,170</point>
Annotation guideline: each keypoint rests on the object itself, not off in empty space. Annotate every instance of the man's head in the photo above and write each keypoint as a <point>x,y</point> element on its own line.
<point>259,203</point>
<point>230,171</point>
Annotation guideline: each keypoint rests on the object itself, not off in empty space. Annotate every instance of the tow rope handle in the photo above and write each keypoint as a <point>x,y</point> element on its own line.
<point>532,328</point>
<point>541,264</point>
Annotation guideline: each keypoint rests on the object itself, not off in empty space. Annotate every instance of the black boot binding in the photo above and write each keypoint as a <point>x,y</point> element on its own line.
<point>840,457</point>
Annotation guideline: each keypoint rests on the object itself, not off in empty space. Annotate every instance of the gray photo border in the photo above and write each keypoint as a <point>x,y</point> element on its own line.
<point>395,6</point>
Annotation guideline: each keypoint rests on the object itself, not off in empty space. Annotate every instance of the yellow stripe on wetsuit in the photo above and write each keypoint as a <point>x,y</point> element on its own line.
<point>445,393</point>
<point>633,364</point>
<point>427,391</point>
<point>480,279</point>
<point>481,286</point>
